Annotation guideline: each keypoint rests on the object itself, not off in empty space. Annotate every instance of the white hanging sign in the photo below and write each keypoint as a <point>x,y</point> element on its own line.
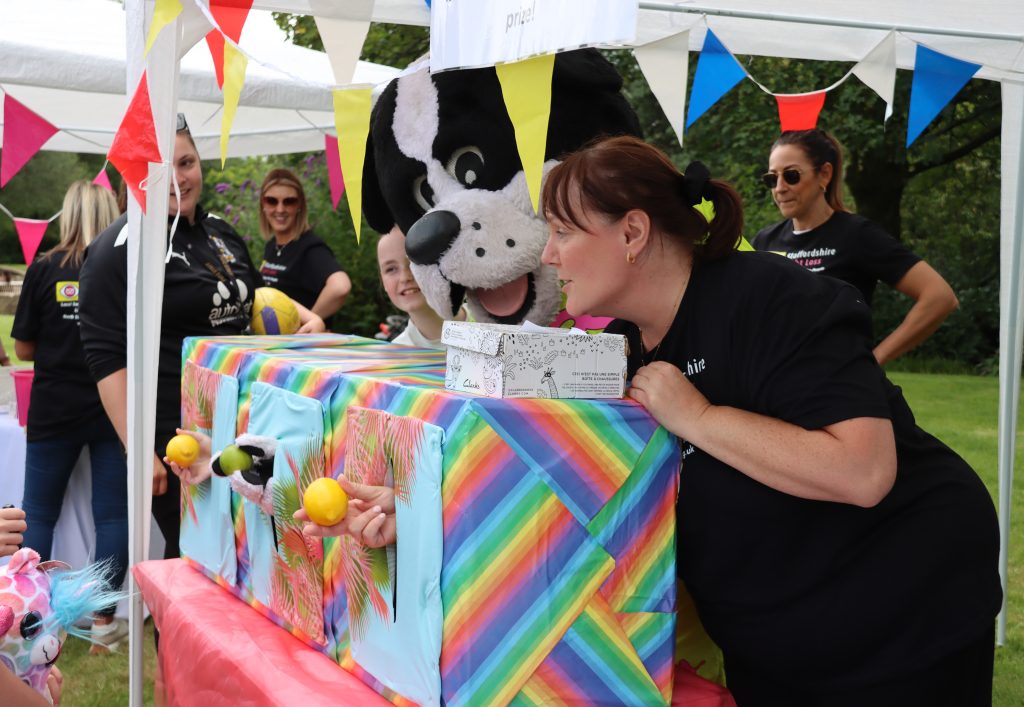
<point>472,33</point>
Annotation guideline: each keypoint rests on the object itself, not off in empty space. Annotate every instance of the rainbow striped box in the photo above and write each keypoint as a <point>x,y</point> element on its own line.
<point>536,553</point>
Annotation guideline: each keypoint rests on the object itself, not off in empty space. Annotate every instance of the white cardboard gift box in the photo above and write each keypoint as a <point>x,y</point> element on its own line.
<point>503,361</point>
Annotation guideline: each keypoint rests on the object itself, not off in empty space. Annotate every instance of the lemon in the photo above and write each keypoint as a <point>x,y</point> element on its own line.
<point>325,502</point>
<point>182,450</point>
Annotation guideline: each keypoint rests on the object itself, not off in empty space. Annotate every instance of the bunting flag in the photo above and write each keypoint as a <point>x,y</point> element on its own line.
<point>717,72</point>
<point>334,176</point>
<point>526,88</point>
<point>30,233</point>
<point>937,79</point>
<point>234,76</point>
<point>230,16</point>
<point>135,144</point>
<point>352,121</point>
<point>878,71</point>
<point>665,65</point>
<point>164,13</point>
<point>799,111</point>
<point>343,38</point>
<point>24,134</point>
<point>103,180</point>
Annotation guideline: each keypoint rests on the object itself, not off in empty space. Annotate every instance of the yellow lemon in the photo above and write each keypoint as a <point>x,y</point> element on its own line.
<point>325,502</point>
<point>182,450</point>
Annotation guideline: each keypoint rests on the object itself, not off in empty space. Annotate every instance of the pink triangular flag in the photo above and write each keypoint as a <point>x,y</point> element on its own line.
<point>103,180</point>
<point>30,233</point>
<point>799,111</point>
<point>24,133</point>
<point>334,169</point>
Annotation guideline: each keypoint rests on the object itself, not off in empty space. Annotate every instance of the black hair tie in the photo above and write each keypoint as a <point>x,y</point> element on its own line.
<point>697,184</point>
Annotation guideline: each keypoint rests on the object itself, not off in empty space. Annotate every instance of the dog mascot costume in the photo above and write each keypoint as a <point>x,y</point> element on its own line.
<point>442,165</point>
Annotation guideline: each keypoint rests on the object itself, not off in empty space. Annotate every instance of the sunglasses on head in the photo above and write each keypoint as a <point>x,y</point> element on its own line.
<point>288,201</point>
<point>182,124</point>
<point>790,176</point>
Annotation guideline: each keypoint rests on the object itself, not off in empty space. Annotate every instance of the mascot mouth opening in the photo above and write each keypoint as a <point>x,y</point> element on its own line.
<point>509,303</point>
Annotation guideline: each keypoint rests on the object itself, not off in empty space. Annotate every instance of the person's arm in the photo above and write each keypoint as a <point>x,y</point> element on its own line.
<point>19,694</point>
<point>113,391</point>
<point>853,461</point>
<point>934,300</point>
<point>24,350</point>
<point>309,323</point>
<point>370,518</point>
<point>332,296</point>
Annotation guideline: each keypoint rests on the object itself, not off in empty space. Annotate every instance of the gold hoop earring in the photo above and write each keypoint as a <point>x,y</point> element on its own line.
<point>630,258</point>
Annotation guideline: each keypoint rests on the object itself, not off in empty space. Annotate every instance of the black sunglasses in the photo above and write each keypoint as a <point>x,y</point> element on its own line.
<point>288,201</point>
<point>182,124</point>
<point>790,176</point>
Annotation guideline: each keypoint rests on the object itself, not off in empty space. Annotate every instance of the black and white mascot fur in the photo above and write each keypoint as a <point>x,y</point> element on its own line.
<point>442,165</point>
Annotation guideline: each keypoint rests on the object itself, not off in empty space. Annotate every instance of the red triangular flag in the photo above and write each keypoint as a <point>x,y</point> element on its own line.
<point>334,176</point>
<point>800,112</point>
<point>30,233</point>
<point>24,133</point>
<point>135,145</point>
<point>103,180</point>
<point>230,16</point>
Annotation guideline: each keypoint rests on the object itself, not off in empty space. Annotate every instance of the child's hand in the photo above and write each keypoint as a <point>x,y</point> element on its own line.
<point>199,470</point>
<point>55,683</point>
<point>12,525</point>
<point>370,518</point>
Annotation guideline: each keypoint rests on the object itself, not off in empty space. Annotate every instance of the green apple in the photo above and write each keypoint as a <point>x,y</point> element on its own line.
<point>233,458</point>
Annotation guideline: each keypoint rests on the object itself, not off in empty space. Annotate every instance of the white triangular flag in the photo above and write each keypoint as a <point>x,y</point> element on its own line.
<point>878,70</point>
<point>665,64</point>
<point>343,38</point>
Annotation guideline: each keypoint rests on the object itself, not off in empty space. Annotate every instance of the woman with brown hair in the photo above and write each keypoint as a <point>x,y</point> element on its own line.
<point>295,260</point>
<point>805,175</point>
<point>814,517</point>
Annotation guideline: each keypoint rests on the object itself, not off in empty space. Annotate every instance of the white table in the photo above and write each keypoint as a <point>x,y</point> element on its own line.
<point>74,537</point>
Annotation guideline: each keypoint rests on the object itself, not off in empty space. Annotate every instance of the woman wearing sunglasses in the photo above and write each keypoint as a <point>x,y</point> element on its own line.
<point>805,175</point>
<point>295,260</point>
<point>209,280</point>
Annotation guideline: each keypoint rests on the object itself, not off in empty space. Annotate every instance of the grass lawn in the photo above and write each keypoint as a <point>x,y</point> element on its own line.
<point>960,410</point>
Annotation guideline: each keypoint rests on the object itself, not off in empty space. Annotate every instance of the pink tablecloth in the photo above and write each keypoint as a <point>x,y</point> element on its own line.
<point>216,650</point>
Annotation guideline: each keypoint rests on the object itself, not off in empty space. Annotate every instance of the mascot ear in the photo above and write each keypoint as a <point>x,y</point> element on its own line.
<point>375,209</point>
<point>586,103</point>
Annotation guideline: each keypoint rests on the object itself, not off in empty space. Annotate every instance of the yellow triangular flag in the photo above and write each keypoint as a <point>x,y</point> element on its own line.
<point>234,76</point>
<point>526,87</point>
<point>352,121</point>
<point>164,14</point>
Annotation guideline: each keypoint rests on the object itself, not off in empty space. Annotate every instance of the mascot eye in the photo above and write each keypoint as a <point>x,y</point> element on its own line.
<point>31,623</point>
<point>466,165</point>
<point>423,193</point>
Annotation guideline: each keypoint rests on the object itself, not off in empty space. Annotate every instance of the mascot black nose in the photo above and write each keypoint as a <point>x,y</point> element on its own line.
<point>431,236</point>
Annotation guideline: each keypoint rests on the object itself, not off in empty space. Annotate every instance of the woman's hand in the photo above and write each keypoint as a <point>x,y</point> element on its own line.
<point>313,325</point>
<point>670,398</point>
<point>12,526</point>
<point>199,470</point>
<point>370,518</point>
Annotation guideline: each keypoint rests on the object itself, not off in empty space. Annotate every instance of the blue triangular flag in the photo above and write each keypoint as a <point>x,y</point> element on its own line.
<point>717,72</point>
<point>937,78</point>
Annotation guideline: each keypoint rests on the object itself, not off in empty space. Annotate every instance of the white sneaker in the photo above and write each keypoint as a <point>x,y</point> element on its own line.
<point>106,637</point>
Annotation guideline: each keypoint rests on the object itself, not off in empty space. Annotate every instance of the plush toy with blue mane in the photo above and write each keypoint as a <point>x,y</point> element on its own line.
<point>40,604</point>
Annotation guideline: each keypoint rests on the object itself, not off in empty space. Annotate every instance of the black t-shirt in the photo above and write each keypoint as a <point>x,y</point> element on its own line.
<point>299,268</point>
<point>208,286</point>
<point>847,246</point>
<point>829,594</point>
<point>63,392</point>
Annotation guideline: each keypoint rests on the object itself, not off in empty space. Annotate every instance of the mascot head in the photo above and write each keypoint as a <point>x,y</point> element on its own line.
<point>442,165</point>
<point>40,603</point>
